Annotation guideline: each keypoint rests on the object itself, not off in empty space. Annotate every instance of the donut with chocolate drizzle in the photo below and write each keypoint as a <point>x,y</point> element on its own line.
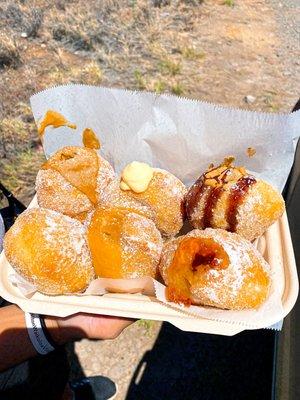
<point>230,198</point>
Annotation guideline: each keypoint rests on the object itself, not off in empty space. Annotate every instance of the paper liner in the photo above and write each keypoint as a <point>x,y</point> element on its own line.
<point>151,287</point>
<point>98,286</point>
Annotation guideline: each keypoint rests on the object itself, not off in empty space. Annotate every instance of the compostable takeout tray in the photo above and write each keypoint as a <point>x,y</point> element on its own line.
<point>275,245</point>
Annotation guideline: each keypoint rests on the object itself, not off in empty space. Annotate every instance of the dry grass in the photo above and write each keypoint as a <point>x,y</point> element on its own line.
<point>177,89</point>
<point>22,18</point>
<point>19,173</point>
<point>91,74</point>
<point>9,52</point>
<point>190,53</point>
<point>229,3</point>
<point>159,86</point>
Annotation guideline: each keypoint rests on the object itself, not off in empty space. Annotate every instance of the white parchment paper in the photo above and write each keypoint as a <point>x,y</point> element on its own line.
<point>182,136</point>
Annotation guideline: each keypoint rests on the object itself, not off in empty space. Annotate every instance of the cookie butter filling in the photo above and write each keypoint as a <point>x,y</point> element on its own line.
<point>55,119</point>
<point>90,140</point>
<point>79,167</point>
<point>136,176</point>
<point>193,258</point>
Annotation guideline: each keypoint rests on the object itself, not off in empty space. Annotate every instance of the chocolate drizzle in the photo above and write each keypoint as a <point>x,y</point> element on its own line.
<point>194,195</point>
<point>212,199</point>
<point>236,198</point>
<point>210,204</point>
<point>237,193</point>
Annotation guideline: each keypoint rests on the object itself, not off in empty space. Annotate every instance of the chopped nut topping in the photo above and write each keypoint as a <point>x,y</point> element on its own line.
<point>228,160</point>
<point>234,175</point>
<point>211,182</point>
<point>215,172</point>
<point>243,170</point>
<point>251,151</point>
<point>224,175</point>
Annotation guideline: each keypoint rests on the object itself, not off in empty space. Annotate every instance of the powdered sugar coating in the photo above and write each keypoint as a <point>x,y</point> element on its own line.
<point>262,205</point>
<point>141,245</point>
<point>106,174</point>
<point>50,250</point>
<point>230,288</point>
<point>123,244</point>
<point>162,201</point>
<point>56,193</point>
<point>261,208</point>
<point>115,197</point>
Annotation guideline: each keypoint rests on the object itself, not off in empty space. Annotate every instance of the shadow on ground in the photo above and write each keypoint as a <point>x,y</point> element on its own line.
<point>190,366</point>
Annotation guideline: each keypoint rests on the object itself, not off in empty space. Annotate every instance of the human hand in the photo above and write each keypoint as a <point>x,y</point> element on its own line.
<point>90,326</point>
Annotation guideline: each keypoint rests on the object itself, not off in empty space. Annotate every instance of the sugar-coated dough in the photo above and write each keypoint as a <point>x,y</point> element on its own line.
<point>72,181</point>
<point>56,193</point>
<point>123,244</point>
<point>105,175</point>
<point>216,268</point>
<point>50,250</point>
<point>239,203</point>
<point>162,201</point>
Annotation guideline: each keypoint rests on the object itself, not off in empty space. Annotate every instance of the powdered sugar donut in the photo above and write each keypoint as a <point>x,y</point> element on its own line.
<point>72,181</point>
<point>50,250</point>
<point>56,193</point>
<point>230,198</point>
<point>123,244</point>
<point>162,201</point>
<point>216,268</point>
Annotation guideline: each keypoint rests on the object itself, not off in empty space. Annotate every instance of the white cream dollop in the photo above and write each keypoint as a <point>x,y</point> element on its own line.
<point>136,176</point>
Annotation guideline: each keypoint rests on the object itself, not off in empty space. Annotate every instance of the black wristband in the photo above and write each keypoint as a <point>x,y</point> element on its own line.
<point>47,333</point>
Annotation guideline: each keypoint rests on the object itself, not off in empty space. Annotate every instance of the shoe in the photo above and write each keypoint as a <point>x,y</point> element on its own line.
<point>93,388</point>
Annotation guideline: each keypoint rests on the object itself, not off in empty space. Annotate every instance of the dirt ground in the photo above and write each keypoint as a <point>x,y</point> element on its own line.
<point>240,53</point>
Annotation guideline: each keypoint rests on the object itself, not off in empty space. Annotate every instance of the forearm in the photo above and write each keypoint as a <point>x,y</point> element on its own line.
<point>15,345</point>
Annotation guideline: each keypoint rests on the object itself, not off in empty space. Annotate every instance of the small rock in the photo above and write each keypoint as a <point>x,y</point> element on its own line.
<point>43,45</point>
<point>24,35</point>
<point>249,99</point>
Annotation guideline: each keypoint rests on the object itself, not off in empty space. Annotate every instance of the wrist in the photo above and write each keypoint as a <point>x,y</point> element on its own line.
<point>61,331</point>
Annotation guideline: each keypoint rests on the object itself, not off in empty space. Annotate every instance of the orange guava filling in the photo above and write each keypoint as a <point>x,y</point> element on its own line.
<point>90,140</point>
<point>104,239</point>
<point>193,258</point>
<point>55,119</point>
<point>78,171</point>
